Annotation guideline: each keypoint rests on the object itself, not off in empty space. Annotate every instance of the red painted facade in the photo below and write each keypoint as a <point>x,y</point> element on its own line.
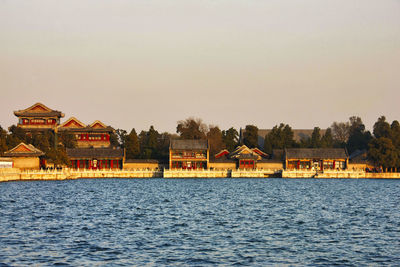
<point>96,164</point>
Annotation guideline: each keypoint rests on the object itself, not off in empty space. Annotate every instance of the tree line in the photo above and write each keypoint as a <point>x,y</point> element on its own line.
<point>382,145</point>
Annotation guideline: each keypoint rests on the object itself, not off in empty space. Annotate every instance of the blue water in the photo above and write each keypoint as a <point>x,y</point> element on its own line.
<point>200,222</point>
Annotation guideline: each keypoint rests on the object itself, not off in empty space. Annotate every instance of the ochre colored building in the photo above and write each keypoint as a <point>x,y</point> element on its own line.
<point>144,164</point>
<point>189,154</point>
<point>316,159</point>
<point>25,157</point>
<point>95,135</point>
<point>38,118</point>
<point>241,158</point>
<point>96,158</point>
<point>93,147</point>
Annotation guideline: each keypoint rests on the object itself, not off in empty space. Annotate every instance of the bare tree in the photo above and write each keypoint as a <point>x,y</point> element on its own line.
<point>192,128</point>
<point>341,131</point>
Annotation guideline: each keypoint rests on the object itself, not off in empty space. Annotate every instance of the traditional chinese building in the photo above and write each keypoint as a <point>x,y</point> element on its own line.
<point>189,154</point>
<point>242,158</point>
<point>96,158</point>
<point>38,118</point>
<point>316,158</point>
<point>93,148</point>
<point>95,135</point>
<point>25,156</point>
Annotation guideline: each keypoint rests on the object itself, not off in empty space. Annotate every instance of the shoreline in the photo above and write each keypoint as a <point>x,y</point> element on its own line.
<point>8,175</point>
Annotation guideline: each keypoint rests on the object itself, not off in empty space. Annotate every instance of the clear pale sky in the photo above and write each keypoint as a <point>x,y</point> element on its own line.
<point>230,62</point>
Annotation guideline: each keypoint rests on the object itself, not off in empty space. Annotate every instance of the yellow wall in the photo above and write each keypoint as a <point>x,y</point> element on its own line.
<point>222,165</point>
<point>357,166</point>
<point>143,165</point>
<point>270,165</point>
<point>26,163</point>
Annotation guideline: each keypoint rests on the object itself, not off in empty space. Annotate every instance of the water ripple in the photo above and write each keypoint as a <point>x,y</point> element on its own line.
<point>200,222</point>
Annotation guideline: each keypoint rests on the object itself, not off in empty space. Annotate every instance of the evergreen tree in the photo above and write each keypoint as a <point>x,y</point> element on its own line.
<point>58,156</point>
<point>67,139</point>
<point>17,133</point>
<point>327,139</point>
<point>163,146</point>
<point>230,138</point>
<point>149,143</point>
<point>3,141</point>
<point>132,145</point>
<point>382,128</point>
<point>250,136</point>
<point>395,134</point>
<point>114,140</point>
<point>316,138</point>
<point>358,137</point>
<point>192,128</point>
<point>43,141</point>
<point>279,137</point>
<point>383,153</point>
<point>214,137</point>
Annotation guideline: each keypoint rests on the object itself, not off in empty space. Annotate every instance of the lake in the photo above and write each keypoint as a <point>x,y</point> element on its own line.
<point>200,222</point>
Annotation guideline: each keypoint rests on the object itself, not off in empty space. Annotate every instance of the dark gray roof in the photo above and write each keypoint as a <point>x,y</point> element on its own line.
<point>95,153</point>
<point>23,154</point>
<point>277,154</point>
<point>53,113</point>
<point>108,129</point>
<point>316,153</point>
<point>359,156</point>
<point>189,144</point>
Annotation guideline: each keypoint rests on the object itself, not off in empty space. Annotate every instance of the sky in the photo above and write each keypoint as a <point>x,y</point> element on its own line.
<point>132,64</point>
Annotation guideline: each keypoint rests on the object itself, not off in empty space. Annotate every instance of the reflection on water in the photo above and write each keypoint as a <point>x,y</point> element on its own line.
<point>200,222</point>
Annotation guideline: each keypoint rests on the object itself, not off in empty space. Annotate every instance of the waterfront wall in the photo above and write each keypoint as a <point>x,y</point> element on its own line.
<point>31,163</point>
<point>222,165</point>
<point>354,174</point>
<point>180,173</point>
<point>324,174</point>
<point>15,174</point>
<point>67,174</point>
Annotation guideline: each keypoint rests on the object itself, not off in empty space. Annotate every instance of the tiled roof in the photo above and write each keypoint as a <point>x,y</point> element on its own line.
<point>27,151</point>
<point>86,130</point>
<point>316,153</point>
<point>277,154</point>
<point>43,112</point>
<point>189,144</point>
<point>38,114</point>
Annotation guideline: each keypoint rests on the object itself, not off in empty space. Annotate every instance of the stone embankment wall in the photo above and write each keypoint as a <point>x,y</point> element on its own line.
<point>221,173</point>
<point>196,174</point>
<point>354,174</point>
<point>386,175</point>
<point>14,174</point>
<point>18,175</point>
